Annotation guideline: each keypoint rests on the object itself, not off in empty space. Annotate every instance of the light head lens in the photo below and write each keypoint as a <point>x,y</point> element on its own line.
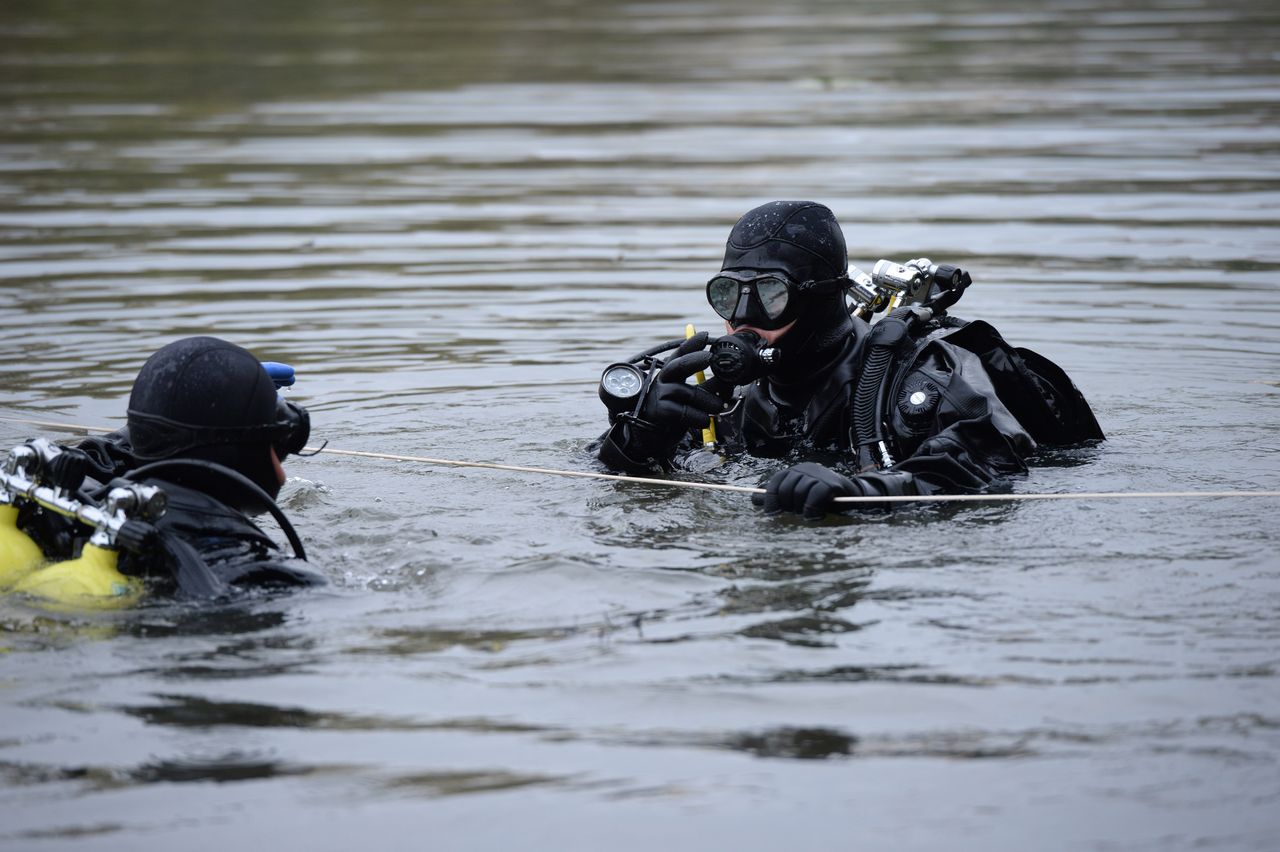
<point>620,386</point>
<point>774,295</point>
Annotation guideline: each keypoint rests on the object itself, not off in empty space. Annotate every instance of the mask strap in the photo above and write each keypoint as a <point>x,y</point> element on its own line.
<point>171,436</point>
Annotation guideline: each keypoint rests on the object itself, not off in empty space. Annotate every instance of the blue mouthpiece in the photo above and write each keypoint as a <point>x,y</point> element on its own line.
<point>281,374</point>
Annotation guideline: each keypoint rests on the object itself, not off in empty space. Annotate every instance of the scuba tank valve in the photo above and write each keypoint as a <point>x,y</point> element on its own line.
<point>890,285</point>
<point>907,283</point>
<point>92,578</point>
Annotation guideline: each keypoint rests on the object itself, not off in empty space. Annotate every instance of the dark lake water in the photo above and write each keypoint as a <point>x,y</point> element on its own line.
<point>449,217</point>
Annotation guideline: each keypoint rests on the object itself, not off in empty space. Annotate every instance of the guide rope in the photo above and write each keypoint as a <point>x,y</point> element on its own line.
<point>717,486</point>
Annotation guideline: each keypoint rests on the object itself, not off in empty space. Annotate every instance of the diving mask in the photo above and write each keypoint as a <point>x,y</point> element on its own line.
<point>767,300</point>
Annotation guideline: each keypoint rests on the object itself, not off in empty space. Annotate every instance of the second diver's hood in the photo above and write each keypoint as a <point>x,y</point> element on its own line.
<point>205,398</point>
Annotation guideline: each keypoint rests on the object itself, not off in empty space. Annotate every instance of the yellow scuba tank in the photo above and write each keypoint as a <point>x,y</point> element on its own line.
<point>91,580</point>
<point>19,555</point>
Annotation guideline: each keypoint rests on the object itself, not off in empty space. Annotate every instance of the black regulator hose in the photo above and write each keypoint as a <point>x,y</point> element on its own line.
<point>654,350</point>
<point>239,479</point>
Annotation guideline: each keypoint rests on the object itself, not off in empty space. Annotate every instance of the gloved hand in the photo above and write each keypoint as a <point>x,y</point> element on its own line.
<point>807,488</point>
<point>68,469</point>
<point>137,536</point>
<point>674,407</point>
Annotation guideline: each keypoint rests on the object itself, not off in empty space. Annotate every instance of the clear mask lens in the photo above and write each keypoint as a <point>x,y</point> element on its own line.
<point>773,295</point>
<point>722,293</point>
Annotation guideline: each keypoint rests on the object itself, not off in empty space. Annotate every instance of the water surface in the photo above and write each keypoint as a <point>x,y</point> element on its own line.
<point>448,219</point>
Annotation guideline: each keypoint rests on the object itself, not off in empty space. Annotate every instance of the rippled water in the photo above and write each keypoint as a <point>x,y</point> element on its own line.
<point>449,217</point>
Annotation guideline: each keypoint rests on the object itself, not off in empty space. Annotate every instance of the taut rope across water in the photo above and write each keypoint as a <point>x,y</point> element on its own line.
<point>716,486</point>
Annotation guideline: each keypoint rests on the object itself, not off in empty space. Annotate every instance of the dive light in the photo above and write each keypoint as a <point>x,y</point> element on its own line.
<point>620,387</point>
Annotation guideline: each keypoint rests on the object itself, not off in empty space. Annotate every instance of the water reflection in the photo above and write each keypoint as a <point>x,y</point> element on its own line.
<point>230,767</point>
<point>411,642</point>
<point>805,631</point>
<point>193,711</point>
<point>434,784</point>
<point>240,618</point>
<point>802,743</point>
<point>449,217</point>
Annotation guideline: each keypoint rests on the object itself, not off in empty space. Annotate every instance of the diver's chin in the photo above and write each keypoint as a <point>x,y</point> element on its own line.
<point>769,336</point>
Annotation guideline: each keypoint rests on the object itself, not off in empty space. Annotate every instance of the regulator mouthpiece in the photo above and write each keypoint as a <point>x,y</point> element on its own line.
<point>742,357</point>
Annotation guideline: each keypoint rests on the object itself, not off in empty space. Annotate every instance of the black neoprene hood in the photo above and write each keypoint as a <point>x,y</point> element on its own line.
<point>804,240</point>
<point>801,238</point>
<point>204,398</point>
<point>204,383</point>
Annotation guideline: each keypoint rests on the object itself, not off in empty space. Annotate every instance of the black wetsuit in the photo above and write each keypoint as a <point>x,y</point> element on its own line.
<point>232,552</point>
<point>205,544</point>
<point>959,409</point>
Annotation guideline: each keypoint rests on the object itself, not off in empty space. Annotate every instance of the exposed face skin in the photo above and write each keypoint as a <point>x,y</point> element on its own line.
<point>275,464</point>
<point>769,337</point>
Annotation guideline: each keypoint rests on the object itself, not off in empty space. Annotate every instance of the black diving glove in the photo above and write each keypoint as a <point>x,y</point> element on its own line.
<point>807,488</point>
<point>673,407</point>
<point>137,537</point>
<point>810,489</point>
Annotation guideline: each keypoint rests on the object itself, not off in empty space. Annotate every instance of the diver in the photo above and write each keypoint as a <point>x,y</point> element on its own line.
<point>205,426</point>
<point>919,402</point>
